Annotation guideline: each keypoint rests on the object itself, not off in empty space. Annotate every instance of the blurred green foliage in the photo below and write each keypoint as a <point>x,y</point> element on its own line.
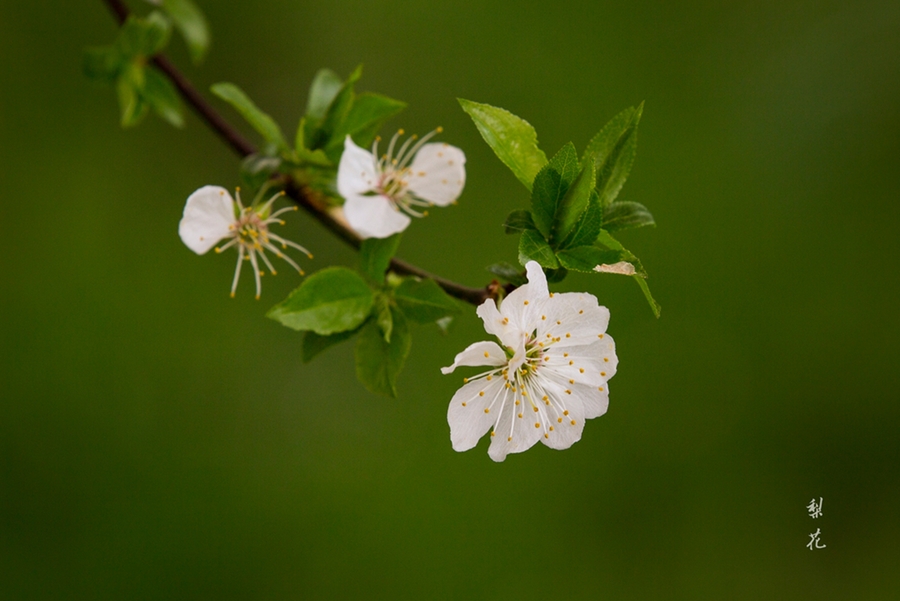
<point>161,440</point>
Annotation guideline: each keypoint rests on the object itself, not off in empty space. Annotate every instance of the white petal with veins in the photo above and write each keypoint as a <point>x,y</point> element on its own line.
<point>208,214</point>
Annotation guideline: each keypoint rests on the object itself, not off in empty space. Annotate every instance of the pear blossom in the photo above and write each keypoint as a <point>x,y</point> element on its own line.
<point>212,215</point>
<point>381,194</point>
<point>547,376</point>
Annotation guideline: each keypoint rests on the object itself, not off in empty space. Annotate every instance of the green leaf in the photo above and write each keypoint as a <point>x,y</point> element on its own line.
<point>624,215</point>
<point>192,26</point>
<point>612,151</point>
<point>588,225</point>
<point>550,187</point>
<point>128,88</point>
<point>367,114</point>
<point>423,301</point>
<point>605,239</point>
<point>325,86</point>
<point>508,273</point>
<point>161,96</point>
<point>654,306</point>
<point>375,256</point>
<point>378,362</point>
<point>102,64</point>
<point>518,221</point>
<point>574,204</point>
<point>256,169</point>
<point>305,155</point>
<point>144,37</point>
<point>260,121</point>
<point>512,139</point>
<point>383,316</point>
<point>313,344</point>
<point>585,258</point>
<point>335,299</point>
<point>533,247</point>
<point>336,114</point>
<point>556,275</point>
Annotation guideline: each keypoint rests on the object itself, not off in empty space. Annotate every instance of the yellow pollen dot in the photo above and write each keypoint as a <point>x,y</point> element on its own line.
<point>548,336</point>
<point>545,397</point>
<point>449,162</point>
<point>602,373</point>
<point>580,312</point>
<point>509,439</point>
<point>465,380</point>
<point>600,389</point>
<point>547,358</point>
<point>535,409</point>
<point>559,420</point>
<point>463,404</point>
<point>493,433</point>
<point>581,370</point>
<point>520,415</point>
<point>551,295</point>
<point>551,428</point>
<point>517,402</point>
<point>421,174</point>
<point>571,381</point>
<point>526,302</point>
<point>486,354</point>
<point>558,322</point>
<point>568,335</point>
<point>571,362</point>
<point>606,359</point>
<point>565,354</point>
<point>443,181</point>
<point>566,412</point>
<point>481,393</point>
<point>599,335</point>
<point>487,410</point>
<point>543,317</point>
<point>400,132</point>
<point>541,344</point>
<point>524,393</point>
<point>505,320</point>
<point>489,378</point>
<point>537,425</point>
<point>439,129</point>
<point>573,422</point>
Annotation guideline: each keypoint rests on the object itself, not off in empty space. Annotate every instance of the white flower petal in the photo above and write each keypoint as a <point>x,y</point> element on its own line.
<point>567,419</point>
<point>438,174</point>
<point>208,213</point>
<point>514,434</point>
<point>356,171</point>
<point>478,353</point>
<point>573,317</point>
<point>373,216</point>
<point>594,400</point>
<point>525,305</point>
<point>473,409</point>
<point>494,324</point>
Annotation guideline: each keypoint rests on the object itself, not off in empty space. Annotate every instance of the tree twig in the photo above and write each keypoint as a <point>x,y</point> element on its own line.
<point>297,193</point>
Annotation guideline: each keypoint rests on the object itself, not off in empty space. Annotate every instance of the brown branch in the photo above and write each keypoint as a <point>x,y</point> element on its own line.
<point>297,193</point>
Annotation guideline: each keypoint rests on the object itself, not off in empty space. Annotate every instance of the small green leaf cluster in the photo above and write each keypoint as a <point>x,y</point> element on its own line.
<point>337,303</point>
<point>574,206</point>
<point>334,111</point>
<point>140,86</point>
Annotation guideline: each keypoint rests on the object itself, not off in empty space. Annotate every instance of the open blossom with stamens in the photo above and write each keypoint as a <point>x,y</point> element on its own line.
<point>549,376</point>
<point>383,193</point>
<point>212,215</point>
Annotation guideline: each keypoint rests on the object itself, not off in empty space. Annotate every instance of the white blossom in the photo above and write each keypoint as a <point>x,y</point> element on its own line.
<point>547,378</point>
<point>381,194</point>
<point>212,215</point>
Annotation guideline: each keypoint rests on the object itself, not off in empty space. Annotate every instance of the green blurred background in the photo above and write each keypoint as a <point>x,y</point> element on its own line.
<point>159,440</point>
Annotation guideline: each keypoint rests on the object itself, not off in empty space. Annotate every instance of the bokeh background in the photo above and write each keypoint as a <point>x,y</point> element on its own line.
<point>159,440</point>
